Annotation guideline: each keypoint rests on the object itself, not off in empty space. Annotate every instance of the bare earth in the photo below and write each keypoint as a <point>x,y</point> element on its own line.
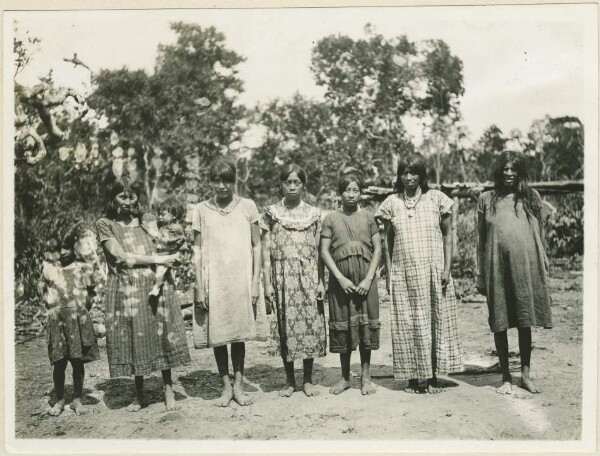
<point>469,408</point>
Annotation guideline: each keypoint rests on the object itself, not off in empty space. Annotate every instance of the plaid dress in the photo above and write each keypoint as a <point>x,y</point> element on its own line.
<point>298,329</point>
<point>423,314</point>
<point>140,338</point>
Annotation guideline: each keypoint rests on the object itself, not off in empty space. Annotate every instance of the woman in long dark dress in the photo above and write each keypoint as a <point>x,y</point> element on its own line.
<point>140,338</point>
<point>513,266</point>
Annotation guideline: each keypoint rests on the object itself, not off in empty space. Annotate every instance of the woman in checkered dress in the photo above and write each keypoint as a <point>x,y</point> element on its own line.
<point>140,338</point>
<point>418,258</point>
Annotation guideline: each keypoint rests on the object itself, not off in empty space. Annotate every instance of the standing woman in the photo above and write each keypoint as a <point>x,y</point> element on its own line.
<point>227,260</point>
<point>419,254</point>
<point>140,338</point>
<point>293,275</point>
<point>513,266</point>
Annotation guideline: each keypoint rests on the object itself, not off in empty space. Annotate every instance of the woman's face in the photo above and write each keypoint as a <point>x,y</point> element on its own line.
<point>509,175</point>
<point>223,190</point>
<point>410,180</point>
<point>126,201</point>
<point>351,195</point>
<point>292,187</point>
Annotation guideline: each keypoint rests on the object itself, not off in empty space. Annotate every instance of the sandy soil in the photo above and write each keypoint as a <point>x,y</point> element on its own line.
<point>469,408</point>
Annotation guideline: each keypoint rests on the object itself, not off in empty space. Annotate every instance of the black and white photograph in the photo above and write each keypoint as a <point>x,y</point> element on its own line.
<point>277,229</point>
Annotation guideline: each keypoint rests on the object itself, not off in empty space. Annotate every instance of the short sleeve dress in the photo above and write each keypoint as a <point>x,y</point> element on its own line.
<point>140,338</point>
<point>298,330</point>
<point>423,313</point>
<point>513,266</point>
<point>69,328</point>
<point>353,319</point>
<point>226,256</point>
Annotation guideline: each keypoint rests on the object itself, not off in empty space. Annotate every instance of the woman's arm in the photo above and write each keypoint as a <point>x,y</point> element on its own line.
<point>388,233</point>
<point>344,282</point>
<point>256,261</point>
<point>481,240</point>
<point>365,284</point>
<point>446,227</point>
<point>131,260</point>
<point>200,298</point>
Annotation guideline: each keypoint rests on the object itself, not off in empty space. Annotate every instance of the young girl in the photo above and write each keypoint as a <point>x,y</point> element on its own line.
<point>168,235</point>
<point>69,329</point>
<point>293,278</point>
<point>351,250</point>
<point>227,261</point>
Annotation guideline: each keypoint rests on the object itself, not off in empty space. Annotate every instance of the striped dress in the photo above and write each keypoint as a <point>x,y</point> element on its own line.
<point>423,314</point>
<point>140,338</point>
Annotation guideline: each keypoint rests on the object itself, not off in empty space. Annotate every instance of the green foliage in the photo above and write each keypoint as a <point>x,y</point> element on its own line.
<point>564,230</point>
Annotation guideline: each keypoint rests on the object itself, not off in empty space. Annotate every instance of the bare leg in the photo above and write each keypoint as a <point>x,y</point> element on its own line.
<point>525,350</point>
<point>366,387</point>
<point>344,382</point>
<point>169,394</point>
<point>238,353</point>
<point>307,386</point>
<point>501,341</point>
<point>58,376</point>
<point>221,356</point>
<point>78,375</point>
<point>290,384</point>
<point>138,390</point>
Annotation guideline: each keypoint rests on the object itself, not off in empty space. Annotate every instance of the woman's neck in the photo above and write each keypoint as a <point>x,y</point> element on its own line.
<point>224,202</point>
<point>349,209</point>
<point>126,219</point>
<point>409,192</point>
<point>291,203</point>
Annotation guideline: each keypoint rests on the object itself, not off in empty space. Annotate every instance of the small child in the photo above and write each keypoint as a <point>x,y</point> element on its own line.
<point>168,235</point>
<point>68,287</point>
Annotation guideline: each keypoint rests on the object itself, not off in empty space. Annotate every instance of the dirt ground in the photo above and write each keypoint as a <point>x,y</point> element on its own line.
<point>469,408</point>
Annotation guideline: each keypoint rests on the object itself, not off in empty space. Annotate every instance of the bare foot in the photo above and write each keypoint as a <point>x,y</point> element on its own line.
<point>78,407</point>
<point>240,397</point>
<point>433,387</point>
<point>506,388</point>
<point>367,387</point>
<point>413,386</point>
<point>527,384</point>
<point>170,398</point>
<point>340,387</point>
<point>226,397</point>
<point>135,406</point>
<point>310,390</point>
<point>287,390</point>
<point>58,408</point>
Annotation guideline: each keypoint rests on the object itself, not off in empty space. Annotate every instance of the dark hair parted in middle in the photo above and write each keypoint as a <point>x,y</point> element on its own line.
<point>122,186</point>
<point>173,207</point>
<point>223,170</point>
<point>293,168</point>
<point>414,164</point>
<point>346,179</point>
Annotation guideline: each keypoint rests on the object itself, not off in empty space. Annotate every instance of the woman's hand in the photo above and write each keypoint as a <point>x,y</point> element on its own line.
<point>346,285</point>
<point>200,298</point>
<point>255,290</point>
<point>445,278</point>
<point>169,260</point>
<point>363,287</point>
<point>320,291</point>
<point>269,296</point>
<point>388,284</point>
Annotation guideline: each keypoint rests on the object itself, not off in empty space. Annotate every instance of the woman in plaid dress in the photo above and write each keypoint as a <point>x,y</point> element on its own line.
<point>419,254</point>
<point>140,338</point>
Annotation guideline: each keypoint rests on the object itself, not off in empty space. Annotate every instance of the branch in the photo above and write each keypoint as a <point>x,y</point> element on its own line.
<point>41,148</point>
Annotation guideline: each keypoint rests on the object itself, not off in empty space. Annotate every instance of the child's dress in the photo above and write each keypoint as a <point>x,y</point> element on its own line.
<point>353,319</point>
<point>69,328</point>
<point>298,331</point>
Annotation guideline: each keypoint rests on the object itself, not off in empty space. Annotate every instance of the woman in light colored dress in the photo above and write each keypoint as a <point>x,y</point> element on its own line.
<point>513,267</point>
<point>418,259</point>
<point>293,275</point>
<point>227,258</point>
<point>140,338</point>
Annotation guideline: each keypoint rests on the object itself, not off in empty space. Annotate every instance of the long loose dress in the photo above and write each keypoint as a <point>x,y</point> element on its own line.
<point>513,267</point>
<point>140,338</point>
<point>423,313</point>
<point>353,319</point>
<point>226,257</point>
<point>298,330</point>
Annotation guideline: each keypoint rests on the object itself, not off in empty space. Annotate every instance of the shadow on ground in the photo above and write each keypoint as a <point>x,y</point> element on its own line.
<point>118,392</point>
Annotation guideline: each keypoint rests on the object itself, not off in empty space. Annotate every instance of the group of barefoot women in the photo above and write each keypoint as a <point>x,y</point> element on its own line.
<point>285,250</point>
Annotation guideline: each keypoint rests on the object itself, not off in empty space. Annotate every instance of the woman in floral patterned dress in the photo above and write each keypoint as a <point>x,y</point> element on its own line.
<point>293,279</point>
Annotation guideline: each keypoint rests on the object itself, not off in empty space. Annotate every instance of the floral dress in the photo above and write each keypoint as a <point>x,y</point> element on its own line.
<point>69,328</point>
<point>140,338</point>
<point>298,329</point>
<point>423,313</point>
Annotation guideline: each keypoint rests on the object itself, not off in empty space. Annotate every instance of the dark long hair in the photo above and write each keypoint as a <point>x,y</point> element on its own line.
<point>293,168</point>
<point>120,186</point>
<point>414,164</point>
<point>531,201</point>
